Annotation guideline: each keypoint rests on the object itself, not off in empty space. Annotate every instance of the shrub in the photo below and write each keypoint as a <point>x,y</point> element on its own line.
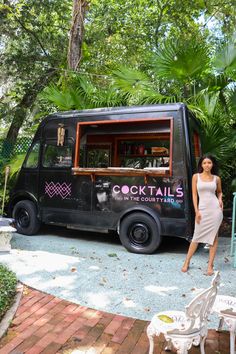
<point>15,165</point>
<point>8,283</point>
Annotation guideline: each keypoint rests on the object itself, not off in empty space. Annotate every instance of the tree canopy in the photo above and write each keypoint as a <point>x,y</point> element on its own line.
<point>34,39</point>
<point>80,54</point>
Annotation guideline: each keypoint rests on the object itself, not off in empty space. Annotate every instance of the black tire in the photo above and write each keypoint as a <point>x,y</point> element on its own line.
<point>25,216</point>
<point>140,233</point>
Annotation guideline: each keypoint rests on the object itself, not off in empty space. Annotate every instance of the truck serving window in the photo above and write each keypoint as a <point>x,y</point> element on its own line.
<point>131,146</point>
<point>56,156</point>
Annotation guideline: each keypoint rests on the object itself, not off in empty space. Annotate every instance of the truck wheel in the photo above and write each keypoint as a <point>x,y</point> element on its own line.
<point>25,215</point>
<point>140,233</point>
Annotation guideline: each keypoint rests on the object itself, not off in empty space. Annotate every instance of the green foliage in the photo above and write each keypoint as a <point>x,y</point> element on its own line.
<point>8,282</point>
<point>33,47</point>
<point>65,99</point>
<point>225,61</point>
<point>125,32</point>
<point>15,164</point>
<point>182,60</point>
<point>233,185</point>
<point>131,83</point>
<point>78,92</point>
<point>220,142</point>
<point>136,87</point>
<point>134,52</point>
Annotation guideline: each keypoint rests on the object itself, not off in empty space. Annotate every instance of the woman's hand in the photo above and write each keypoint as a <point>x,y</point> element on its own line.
<point>221,203</point>
<point>198,217</point>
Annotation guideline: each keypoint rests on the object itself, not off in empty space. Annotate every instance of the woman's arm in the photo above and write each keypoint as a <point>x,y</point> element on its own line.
<point>195,198</point>
<point>219,191</point>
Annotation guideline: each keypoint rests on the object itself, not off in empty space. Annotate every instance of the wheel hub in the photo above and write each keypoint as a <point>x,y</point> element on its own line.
<point>23,218</point>
<point>139,233</point>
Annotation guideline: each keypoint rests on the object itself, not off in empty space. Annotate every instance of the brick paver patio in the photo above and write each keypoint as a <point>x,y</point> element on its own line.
<point>46,324</point>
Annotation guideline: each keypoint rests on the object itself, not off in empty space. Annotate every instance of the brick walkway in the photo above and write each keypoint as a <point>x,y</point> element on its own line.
<point>46,324</point>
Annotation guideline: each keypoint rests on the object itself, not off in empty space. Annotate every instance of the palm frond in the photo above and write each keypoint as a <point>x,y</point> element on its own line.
<point>225,61</point>
<point>107,97</point>
<point>230,98</point>
<point>151,96</point>
<point>200,109</point>
<point>217,141</point>
<point>85,87</point>
<point>183,61</point>
<point>130,81</point>
<point>209,102</point>
<point>66,99</point>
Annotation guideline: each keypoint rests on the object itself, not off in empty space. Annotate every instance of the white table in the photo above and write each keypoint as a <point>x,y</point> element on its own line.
<point>225,307</point>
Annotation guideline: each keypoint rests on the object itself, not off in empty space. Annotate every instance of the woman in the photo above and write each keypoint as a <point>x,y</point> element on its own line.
<point>208,206</point>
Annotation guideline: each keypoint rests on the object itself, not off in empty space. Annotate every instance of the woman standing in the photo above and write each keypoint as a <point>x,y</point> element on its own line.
<point>208,206</point>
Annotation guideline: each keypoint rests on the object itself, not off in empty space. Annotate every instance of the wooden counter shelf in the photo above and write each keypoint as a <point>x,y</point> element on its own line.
<point>144,155</point>
<point>119,171</point>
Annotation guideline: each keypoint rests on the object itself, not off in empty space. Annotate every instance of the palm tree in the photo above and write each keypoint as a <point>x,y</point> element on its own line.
<point>79,92</point>
<point>185,71</point>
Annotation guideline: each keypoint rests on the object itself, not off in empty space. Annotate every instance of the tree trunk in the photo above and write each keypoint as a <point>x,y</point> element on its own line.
<point>20,111</point>
<point>76,33</point>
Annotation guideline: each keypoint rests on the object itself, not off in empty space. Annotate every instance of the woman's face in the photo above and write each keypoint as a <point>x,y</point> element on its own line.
<point>207,165</point>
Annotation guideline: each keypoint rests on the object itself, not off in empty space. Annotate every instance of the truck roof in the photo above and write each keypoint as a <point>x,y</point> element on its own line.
<point>117,110</point>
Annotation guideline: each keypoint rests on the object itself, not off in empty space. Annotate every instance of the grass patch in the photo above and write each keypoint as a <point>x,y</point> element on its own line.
<point>112,255</point>
<point>8,283</point>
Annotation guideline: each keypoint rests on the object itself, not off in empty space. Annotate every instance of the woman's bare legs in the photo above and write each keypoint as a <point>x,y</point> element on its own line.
<point>212,254</point>
<point>192,249</point>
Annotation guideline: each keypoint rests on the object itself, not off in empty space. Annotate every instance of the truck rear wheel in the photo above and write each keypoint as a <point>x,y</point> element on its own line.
<point>25,215</point>
<point>140,233</point>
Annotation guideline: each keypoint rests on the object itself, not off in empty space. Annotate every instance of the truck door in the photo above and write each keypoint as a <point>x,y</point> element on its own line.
<point>56,182</point>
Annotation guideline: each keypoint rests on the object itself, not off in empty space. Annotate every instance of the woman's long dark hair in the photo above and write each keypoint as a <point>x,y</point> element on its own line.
<point>214,169</point>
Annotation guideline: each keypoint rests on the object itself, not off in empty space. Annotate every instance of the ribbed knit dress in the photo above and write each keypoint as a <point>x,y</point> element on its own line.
<point>211,213</point>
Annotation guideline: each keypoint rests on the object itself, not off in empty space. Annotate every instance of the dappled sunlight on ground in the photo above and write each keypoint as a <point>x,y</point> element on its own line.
<point>160,290</point>
<point>102,299</point>
<point>93,268</point>
<point>88,351</point>
<point>30,262</point>
<point>106,277</point>
<point>128,303</point>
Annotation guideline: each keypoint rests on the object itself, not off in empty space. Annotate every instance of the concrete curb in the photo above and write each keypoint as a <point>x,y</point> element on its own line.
<point>6,321</point>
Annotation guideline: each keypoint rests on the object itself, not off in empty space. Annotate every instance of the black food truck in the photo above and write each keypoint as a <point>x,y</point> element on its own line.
<point>125,169</point>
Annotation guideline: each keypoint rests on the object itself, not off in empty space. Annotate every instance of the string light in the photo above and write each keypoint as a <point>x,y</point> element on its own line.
<point>80,72</point>
<point>74,71</point>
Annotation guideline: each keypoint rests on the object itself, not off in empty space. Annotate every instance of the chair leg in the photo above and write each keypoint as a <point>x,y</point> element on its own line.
<point>182,351</point>
<point>202,345</point>
<point>151,344</point>
<point>233,233</point>
<point>221,322</point>
<point>151,334</point>
<point>168,346</point>
<point>232,342</point>
<point>182,346</point>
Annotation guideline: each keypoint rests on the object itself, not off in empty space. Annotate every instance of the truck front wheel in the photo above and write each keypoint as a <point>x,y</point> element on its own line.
<point>140,233</point>
<point>25,215</point>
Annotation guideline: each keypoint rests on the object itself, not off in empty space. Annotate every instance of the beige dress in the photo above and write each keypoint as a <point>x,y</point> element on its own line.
<point>211,213</point>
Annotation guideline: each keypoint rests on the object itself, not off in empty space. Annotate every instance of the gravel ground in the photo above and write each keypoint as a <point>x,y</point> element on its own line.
<point>94,270</point>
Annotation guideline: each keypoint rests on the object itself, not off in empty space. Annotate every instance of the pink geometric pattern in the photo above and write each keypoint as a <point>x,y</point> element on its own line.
<point>58,189</point>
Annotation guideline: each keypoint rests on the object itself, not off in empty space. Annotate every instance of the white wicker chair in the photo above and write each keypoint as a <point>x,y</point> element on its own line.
<point>225,307</point>
<point>186,328</point>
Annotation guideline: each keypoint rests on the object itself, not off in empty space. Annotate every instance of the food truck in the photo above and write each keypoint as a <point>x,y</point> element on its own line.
<point>123,169</point>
